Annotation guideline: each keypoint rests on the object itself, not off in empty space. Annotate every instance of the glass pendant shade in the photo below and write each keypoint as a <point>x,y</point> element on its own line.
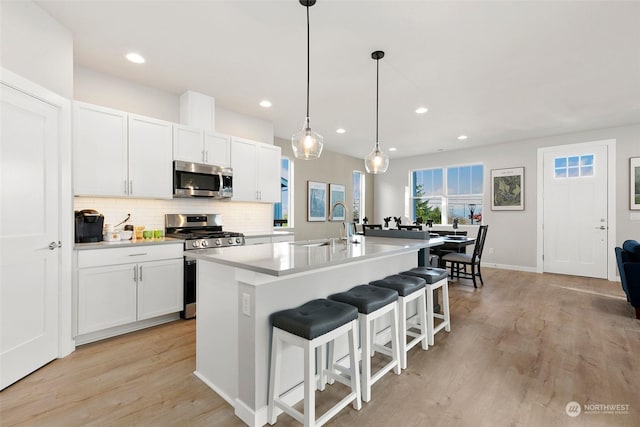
<point>376,161</point>
<point>306,144</point>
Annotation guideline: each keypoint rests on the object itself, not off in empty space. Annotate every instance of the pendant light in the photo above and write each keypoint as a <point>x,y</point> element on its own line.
<point>376,161</point>
<point>307,144</point>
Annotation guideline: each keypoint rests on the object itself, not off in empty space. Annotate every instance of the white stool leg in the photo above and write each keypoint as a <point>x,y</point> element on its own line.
<point>395,341</point>
<point>430,326</point>
<point>274,376</point>
<point>365,338</point>
<point>321,367</point>
<point>445,305</point>
<point>422,311</point>
<point>309,386</point>
<point>402,332</point>
<point>355,371</point>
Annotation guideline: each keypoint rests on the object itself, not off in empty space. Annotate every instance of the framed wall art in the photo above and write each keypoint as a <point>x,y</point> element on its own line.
<point>507,189</point>
<point>634,183</point>
<point>316,201</point>
<point>336,194</point>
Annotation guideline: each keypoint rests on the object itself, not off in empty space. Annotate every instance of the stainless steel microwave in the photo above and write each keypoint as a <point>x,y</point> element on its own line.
<point>200,180</point>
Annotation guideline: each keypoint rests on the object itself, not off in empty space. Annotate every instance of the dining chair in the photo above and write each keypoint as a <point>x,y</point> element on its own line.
<point>462,259</point>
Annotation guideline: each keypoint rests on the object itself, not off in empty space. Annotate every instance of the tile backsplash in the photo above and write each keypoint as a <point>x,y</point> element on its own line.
<point>247,218</point>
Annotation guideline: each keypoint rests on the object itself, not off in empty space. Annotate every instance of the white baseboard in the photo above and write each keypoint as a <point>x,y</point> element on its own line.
<point>130,327</point>
<point>510,267</point>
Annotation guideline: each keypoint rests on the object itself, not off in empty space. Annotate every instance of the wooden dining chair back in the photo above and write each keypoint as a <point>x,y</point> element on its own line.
<point>459,260</point>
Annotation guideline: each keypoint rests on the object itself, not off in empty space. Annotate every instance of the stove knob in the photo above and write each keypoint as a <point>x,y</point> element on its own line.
<point>205,243</point>
<point>194,244</point>
<point>218,242</point>
<point>238,240</point>
<point>231,241</point>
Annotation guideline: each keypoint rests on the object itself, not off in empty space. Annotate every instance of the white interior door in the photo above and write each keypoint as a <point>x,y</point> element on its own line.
<point>28,224</point>
<point>575,221</point>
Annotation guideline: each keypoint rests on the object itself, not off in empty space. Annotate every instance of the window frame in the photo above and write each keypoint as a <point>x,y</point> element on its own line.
<point>290,198</point>
<point>445,198</point>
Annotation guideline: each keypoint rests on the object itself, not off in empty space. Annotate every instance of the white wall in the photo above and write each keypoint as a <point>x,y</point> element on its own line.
<point>98,88</point>
<point>103,89</point>
<point>235,124</point>
<point>36,47</point>
<point>512,234</point>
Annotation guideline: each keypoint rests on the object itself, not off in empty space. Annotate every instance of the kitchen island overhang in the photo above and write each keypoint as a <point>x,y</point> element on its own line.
<point>239,288</point>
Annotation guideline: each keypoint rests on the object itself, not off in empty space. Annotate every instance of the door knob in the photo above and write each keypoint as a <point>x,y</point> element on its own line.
<point>54,245</point>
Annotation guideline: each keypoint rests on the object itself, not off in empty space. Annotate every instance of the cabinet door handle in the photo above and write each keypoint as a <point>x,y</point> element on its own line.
<point>144,253</point>
<point>140,276</point>
<point>125,187</point>
<point>135,273</point>
<point>203,157</point>
<point>130,187</point>
<point>206,156</point>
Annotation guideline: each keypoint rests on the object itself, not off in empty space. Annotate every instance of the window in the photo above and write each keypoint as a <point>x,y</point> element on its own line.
<point>444,194</point>
<point>358,196</point>
<point>573,166</point>
<point>282,215</point>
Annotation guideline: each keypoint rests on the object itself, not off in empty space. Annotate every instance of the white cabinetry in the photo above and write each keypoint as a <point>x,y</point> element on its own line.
<point>194,145</point>
<point>119,154</point>
<point>256,171</point>
<point>120,286</point>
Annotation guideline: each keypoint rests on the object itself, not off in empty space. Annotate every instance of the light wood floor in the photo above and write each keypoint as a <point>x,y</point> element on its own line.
<point>520,349</point>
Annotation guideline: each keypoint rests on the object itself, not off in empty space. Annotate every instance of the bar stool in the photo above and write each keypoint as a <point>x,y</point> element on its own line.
<point>409,288</point>
<point>435,278</point>
<point>311,326</point>
<point>372,303</point>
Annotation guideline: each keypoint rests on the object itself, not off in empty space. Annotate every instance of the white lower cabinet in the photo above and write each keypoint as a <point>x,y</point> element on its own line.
<point>157,290</point>
<point>121,286</point>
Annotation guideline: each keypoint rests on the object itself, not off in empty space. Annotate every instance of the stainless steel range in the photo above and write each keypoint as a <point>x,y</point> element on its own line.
<point>199,232</point>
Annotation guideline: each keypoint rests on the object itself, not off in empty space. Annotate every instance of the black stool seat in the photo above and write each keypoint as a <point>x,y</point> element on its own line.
<point>366,298</point>
<point>429,274</point>
<point>314,318</point>
<point>404,285</point>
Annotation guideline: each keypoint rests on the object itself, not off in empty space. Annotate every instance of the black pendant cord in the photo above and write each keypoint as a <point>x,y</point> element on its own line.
<point>308,67</point>
<point>377,91</point>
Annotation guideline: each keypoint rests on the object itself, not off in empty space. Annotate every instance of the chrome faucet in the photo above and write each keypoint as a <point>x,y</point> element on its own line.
<point>343,230</point>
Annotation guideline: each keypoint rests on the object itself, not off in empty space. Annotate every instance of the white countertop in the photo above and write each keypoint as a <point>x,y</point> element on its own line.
<point>271,233</point>
<point>125,243</point>
<point>280,259</point>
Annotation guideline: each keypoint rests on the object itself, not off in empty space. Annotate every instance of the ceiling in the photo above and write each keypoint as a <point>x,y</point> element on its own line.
<point>495,71</point>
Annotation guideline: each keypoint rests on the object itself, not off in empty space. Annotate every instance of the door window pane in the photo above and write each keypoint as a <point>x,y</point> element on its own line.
<point>281,211</point>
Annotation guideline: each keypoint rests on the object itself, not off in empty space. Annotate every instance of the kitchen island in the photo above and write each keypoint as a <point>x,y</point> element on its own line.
<point>239,287</point>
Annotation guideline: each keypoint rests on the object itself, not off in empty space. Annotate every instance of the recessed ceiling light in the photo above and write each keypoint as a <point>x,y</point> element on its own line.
<point>393,149</point>
<point>136,58</point>
<point>340,130</point>
<point>462,137</point>
<point>265,103</point>
<point>422,110</point>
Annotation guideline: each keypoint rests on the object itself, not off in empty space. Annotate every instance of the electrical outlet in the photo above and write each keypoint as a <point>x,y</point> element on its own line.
<point>491,250</point>
<point>246,304</point>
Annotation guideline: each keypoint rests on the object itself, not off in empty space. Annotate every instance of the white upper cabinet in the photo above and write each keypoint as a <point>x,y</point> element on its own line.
<point>195,145</point>
<point>187,144</point>
<point>121,155</point>
<point>256,171</point>
<point>217,149</point>
<point>99,151</point>
<point>150,164</point>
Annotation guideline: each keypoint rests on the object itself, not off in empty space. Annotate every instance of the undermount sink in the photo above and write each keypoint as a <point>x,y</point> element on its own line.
<point>312,243</point>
